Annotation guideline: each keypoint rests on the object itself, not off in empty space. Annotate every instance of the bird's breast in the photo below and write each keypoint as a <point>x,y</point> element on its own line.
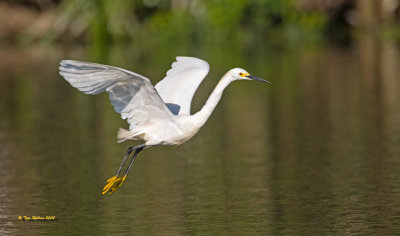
<point>170,134</point>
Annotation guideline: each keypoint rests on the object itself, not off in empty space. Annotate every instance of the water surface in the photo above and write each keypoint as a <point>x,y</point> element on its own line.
<point>316,153</point>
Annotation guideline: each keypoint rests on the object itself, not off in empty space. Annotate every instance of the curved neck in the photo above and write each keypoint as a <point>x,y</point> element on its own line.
<point>205,112</point>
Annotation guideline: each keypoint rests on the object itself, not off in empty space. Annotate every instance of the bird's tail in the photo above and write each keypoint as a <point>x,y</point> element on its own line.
<point>123,135</point>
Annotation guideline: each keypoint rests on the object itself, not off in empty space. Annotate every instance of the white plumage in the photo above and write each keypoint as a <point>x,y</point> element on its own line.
<point>158,115</point>
<point>181,82</point>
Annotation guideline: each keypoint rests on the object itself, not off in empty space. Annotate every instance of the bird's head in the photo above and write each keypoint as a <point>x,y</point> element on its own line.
<point>241,74</point>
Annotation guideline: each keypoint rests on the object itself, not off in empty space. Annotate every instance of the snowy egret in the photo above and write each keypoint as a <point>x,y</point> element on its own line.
<point>157,115</point>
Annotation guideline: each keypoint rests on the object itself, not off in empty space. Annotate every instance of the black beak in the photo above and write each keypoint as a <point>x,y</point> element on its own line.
<point>257,78</point>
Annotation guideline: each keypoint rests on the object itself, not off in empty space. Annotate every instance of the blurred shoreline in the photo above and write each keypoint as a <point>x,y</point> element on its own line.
<point>28,21</point>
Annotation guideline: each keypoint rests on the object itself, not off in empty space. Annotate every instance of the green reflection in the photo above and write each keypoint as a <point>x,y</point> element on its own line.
<point>314,153</point>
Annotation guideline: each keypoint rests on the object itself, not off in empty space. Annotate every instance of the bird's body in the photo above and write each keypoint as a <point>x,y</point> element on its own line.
<point>180,128</point>
<point>158,132</point>
<point>158,115</point>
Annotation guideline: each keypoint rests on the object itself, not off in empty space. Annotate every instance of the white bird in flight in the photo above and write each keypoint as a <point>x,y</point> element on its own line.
<point>157,115</point>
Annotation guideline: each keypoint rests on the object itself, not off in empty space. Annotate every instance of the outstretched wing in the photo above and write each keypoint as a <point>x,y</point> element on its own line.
<point>179,85</point>
<point>132,95</point>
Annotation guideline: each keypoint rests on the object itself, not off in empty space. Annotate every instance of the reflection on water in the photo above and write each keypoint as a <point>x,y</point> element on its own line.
<point>318,152</point>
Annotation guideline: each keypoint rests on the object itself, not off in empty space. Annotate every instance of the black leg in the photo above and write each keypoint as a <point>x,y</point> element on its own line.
<point>137,150</point>
<point>115,182</point>
<point>128,152</point>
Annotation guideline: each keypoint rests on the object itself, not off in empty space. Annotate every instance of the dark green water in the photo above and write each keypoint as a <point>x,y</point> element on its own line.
<point>316,153</point>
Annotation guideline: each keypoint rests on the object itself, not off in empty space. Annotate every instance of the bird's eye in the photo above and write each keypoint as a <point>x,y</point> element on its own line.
<point>241,74</point>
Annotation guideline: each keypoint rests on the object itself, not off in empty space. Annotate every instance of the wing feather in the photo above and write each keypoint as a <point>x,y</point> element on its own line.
<point>181,82</point>
<point>131,94</point>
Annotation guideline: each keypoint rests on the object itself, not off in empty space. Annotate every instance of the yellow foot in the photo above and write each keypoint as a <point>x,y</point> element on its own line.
<point>110,183</point>
<point>117,184</point>
<point>113,184</point>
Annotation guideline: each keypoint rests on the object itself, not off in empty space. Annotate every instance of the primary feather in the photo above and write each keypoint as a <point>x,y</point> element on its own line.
<point>131,94</point>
